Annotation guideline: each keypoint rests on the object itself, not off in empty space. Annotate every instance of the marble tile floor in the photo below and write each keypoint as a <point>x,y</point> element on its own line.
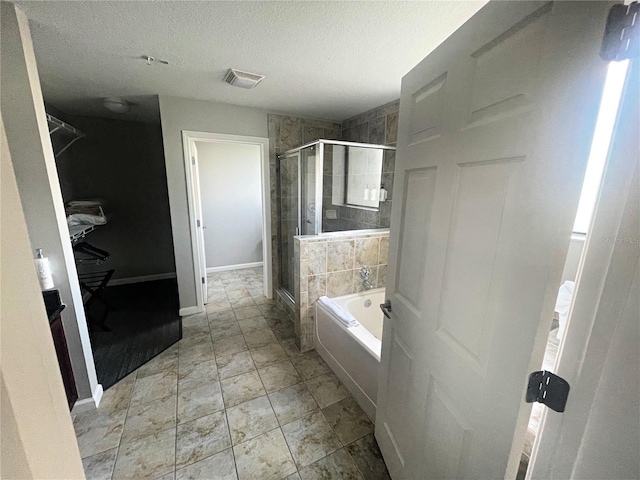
<point>234,399</point>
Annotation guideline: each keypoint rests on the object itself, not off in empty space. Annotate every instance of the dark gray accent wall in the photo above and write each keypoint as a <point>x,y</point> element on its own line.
<point>123,163</point>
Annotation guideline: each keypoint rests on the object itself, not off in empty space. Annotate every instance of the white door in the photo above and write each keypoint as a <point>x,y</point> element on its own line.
<point>598,436</point>
<point>494,136</point>
<point>199,225</point>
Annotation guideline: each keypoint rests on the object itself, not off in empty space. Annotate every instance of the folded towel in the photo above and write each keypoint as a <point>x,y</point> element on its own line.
<point>84,219</point>
<point>340,313</point>
<point>85,203</point>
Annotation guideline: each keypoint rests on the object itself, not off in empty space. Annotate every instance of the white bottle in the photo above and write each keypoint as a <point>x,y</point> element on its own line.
<point>383,194</point>
<point>366,192</point>
<point>43,267</point>
<point>374,194</point>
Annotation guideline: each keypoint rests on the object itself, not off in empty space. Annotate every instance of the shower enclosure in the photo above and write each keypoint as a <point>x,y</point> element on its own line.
<point>331,186</point>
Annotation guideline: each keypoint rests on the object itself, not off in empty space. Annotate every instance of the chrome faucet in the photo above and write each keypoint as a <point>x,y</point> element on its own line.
<point>365,273</point>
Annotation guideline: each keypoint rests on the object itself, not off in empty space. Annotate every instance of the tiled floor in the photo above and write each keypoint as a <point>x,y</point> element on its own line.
<point>234,399</point>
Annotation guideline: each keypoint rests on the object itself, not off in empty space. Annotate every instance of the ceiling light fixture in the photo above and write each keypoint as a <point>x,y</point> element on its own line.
<point>116,104</point>
<point>241,79</point>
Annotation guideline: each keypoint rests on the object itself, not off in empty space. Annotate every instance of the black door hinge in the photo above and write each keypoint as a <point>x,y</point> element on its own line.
<point>549,389</point>
<point>203,280</point>
<point>621,34</point>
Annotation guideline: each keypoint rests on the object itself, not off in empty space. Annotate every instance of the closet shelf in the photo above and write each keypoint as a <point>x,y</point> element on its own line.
<point>78,231</point>
<point>59,127</point>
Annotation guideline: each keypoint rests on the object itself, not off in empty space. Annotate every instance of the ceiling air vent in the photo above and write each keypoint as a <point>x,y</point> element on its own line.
<point>241,79</point>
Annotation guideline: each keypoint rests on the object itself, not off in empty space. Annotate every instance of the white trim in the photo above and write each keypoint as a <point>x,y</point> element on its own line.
<point>90,403</point>
<point>143,278</point>
<point>183,312</point>
<point>195,252</point>
<point>188,139</point>
<point>239,266</point>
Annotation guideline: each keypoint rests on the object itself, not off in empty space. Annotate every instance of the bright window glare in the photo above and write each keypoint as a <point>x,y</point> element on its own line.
<point>613,86</point>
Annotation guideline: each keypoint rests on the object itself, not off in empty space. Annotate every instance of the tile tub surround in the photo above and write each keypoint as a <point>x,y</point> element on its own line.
<point>230,403</point>
<point>329,265</point>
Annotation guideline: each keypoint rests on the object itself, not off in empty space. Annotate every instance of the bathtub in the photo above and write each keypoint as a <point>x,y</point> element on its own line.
<point>354,353</point>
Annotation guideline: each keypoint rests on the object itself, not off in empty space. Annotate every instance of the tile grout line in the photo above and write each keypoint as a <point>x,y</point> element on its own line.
<point>269,399</point>
<point>124,423</point>
<point>175,439</point>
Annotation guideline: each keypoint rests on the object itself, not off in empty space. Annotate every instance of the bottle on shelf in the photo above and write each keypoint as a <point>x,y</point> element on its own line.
<point>43,268</point>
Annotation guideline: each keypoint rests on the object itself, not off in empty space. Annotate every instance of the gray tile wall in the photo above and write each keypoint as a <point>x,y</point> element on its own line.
<point>377,126</point>
<point>285,133</point>
<point>330,266</point>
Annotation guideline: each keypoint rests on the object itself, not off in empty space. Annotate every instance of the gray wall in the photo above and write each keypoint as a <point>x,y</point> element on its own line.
<point>179,114</point>
<point>27,133</point>
<point>231,196</point>
<point>122,162</point>
<point>38,440</point>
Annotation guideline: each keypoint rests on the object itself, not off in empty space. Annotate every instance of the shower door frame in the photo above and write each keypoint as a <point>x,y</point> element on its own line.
<point>319,165</point>
<point>281,254</point>
<point>319,171</point>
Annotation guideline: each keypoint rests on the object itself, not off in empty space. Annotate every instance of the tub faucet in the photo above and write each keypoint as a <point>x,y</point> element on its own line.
<point>365,273</point>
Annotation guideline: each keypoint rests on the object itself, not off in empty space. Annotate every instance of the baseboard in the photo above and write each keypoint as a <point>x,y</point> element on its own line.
<point>183,312</point>
<point>234,267</point>
<point>143,278</point>
<point>90,403</point>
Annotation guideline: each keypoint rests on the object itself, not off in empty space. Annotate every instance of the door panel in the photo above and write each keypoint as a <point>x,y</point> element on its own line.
<point>416,214</point>
<point>427,110</point>
<point>400,380</point>
<point>492,150</point>
<point>448,435</point>
<point>502,84</point>
<point>195,174</point>
<point>470,261</point>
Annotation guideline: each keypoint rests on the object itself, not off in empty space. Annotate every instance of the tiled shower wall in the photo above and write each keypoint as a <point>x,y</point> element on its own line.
<point>380,127</point>
<point>286,133</point>
<point>330,265</point>
<point>377,126</point>
<point>357,218</point>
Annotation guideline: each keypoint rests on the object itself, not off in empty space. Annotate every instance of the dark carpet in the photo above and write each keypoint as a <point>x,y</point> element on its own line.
<point>144,322</point>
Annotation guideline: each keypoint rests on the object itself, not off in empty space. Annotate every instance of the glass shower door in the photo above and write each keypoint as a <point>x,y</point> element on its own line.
<point>309,159</point>
<point>289,186</point>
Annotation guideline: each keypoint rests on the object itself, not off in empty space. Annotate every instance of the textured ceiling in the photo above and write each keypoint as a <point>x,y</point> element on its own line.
<point>328,60</point>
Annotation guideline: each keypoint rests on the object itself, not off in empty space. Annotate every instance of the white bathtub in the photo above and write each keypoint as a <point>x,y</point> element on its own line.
<point>354,353</point>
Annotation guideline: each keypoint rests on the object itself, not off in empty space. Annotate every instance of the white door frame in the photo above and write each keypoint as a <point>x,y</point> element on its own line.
<point>605,276</point>
<point>188,138</point>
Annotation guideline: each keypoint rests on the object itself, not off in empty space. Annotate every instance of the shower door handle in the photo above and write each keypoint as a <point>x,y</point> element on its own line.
<point>386,308</point>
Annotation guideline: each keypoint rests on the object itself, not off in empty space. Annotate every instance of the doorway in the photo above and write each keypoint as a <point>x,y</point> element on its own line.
<point>228,193</point>
<point>600,144</point>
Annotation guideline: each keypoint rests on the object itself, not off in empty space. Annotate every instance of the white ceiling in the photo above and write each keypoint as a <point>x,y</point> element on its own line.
<point>328,60</point>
